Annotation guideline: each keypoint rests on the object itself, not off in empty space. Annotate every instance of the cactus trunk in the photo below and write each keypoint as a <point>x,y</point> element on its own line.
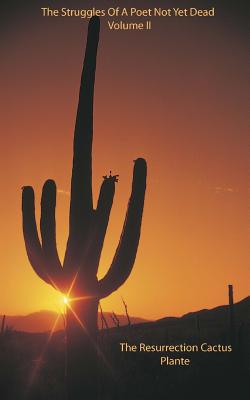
<point>83,359</point>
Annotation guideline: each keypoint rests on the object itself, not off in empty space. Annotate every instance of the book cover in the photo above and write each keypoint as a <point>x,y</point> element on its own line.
<point>125,208</point>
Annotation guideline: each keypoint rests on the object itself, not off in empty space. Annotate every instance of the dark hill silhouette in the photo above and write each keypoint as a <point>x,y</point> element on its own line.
<point>216,318</point>
<point>42,321</point>
<point>242,311</point>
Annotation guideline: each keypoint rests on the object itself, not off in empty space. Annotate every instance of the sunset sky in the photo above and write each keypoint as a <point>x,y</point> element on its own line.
<point>175,95</point>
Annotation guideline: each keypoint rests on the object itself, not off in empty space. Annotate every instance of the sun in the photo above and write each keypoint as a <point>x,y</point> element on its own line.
<point>66,300</point>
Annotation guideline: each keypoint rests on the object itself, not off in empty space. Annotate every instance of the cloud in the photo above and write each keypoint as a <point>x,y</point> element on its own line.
<point>225,189</point>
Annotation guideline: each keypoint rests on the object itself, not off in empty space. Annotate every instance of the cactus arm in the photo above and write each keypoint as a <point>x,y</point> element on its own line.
<point>81,181</point>
<point>124,258</point>
<point>48,229</point>
<point>101,219</point>
<point>32,242</point>
<point>43,267</point>
<point>104,205</point>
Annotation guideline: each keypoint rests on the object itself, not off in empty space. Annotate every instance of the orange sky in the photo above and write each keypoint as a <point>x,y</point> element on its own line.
<point>175,96</point>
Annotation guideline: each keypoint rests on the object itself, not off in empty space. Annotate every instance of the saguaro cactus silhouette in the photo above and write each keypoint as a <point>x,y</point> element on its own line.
<point>87,228</point>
